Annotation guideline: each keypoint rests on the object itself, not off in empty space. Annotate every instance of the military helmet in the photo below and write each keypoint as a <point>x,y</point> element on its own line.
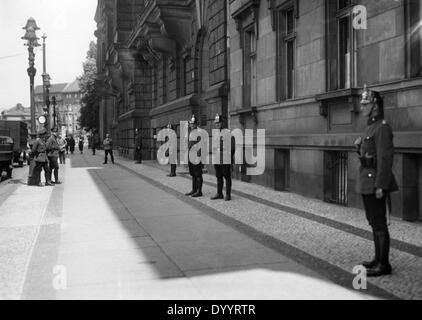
<point>218,118</point>
<point>193,120</point>
<point>369,96</point>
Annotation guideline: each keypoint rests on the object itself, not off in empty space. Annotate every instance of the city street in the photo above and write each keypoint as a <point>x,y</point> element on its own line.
<point>126,231</point>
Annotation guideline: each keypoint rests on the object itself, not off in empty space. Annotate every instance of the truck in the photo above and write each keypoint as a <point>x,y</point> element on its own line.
<point>18,131</point>
<point>6,156</point>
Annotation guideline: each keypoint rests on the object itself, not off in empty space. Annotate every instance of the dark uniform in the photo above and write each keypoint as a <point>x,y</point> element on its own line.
<point>195,170</point>
<point>138,146</point>
<point>53,152</point>
<point>173,166</point>
<point>32,178</point>
<point>222,170</point>
<point>376,152</point>
<point>39,150</point>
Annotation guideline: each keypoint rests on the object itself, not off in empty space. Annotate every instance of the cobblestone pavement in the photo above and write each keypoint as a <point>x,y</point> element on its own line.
<point>127,231</point>
<point>332,239</point>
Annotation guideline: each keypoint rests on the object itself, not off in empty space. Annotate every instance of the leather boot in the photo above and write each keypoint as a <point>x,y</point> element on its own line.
<point>219,194</point>
<point>383,266</point>
<point>194,187</point>
<point>228,189</point>
<point>198,193</point>
<point>371,264</point>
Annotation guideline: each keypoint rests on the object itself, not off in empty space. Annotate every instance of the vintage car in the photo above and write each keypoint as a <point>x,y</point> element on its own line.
<point>6,156</point>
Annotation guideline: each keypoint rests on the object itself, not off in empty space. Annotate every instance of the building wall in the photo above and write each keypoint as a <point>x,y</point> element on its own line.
<point>317,119</point>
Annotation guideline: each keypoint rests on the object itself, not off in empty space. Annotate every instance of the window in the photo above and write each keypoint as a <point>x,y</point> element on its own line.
<point>249,68</point>
<point>286,51</point>
<point>341,46</point>
<point>414,37</point>
<point>336,177</point>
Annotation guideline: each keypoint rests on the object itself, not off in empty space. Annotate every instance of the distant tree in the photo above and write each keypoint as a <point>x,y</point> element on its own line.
<point>90,101</point>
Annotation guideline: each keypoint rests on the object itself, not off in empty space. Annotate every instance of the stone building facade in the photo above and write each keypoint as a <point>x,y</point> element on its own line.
<point>159,62</point>
<point>297,69</point>
<point>293,67</point>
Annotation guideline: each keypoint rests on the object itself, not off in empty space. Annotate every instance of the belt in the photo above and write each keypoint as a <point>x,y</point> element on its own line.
<point>369,163</point>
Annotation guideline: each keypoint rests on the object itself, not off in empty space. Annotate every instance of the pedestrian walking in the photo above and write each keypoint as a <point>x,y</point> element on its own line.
<point>138,145</point>
<point>223,170</point>
<point>39,150</point>
<point>72,144</point>
<point>195,170</point>
<point>81,144</point>
<point>63,146</point>
<point>173,166</point>
<point>376,180</point>
<point>108,149</point>
<point>53,152</point>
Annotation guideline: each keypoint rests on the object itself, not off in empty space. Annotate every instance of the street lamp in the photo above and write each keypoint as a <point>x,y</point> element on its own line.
<point>54,102</point>
<point>46,85</point>
<point>31,42</point>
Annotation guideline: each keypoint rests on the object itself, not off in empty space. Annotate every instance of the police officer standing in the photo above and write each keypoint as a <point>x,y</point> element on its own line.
<point>53,150</point>
<point>39,150</point>
<point>138,145</point>
<point>195,170</point>
<point>173,166</point>
<point>376,179</point>
<point>223,170</point>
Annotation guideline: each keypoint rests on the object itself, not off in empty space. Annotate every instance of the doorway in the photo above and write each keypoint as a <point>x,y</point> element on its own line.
<point>281,169</point>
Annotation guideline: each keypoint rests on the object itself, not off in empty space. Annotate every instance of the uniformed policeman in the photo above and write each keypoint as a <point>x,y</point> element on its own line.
<point>39,150</point>
<point>138,145</point>
<point>376,180</point>
<point>195,170</point>
<point>53,152</point>
<point>32,177</point>
<point>222,170</point>
<point>173,167</point>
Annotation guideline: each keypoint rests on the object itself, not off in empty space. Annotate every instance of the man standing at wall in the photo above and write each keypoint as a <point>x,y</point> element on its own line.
<point>376,179</point>
<point>138,145</point>
<point>108,149</point>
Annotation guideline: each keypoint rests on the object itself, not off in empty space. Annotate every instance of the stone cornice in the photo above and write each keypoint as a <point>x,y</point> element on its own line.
<point>162,25</point>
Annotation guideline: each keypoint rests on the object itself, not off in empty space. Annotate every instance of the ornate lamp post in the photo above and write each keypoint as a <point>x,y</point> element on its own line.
<point>32,42</point>
<point>54,102</point>
<point>46,86</point>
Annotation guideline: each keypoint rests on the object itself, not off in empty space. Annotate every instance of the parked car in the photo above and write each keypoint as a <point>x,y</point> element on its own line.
<point>18,131</point>
<point>6,156</point>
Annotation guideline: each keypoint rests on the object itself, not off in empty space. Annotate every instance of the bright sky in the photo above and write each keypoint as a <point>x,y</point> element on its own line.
<point>69,26</point>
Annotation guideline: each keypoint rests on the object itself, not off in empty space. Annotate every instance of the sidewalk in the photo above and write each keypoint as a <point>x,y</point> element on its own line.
<point>328,238</point>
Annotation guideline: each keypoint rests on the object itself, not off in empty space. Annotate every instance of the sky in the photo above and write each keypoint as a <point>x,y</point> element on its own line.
<point>69,26</point>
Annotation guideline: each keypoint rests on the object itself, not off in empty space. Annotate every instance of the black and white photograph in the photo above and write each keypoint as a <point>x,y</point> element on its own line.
<point>210,154</point>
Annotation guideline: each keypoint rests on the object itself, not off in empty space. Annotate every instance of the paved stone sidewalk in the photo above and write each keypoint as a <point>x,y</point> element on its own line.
<point>319,235</point>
